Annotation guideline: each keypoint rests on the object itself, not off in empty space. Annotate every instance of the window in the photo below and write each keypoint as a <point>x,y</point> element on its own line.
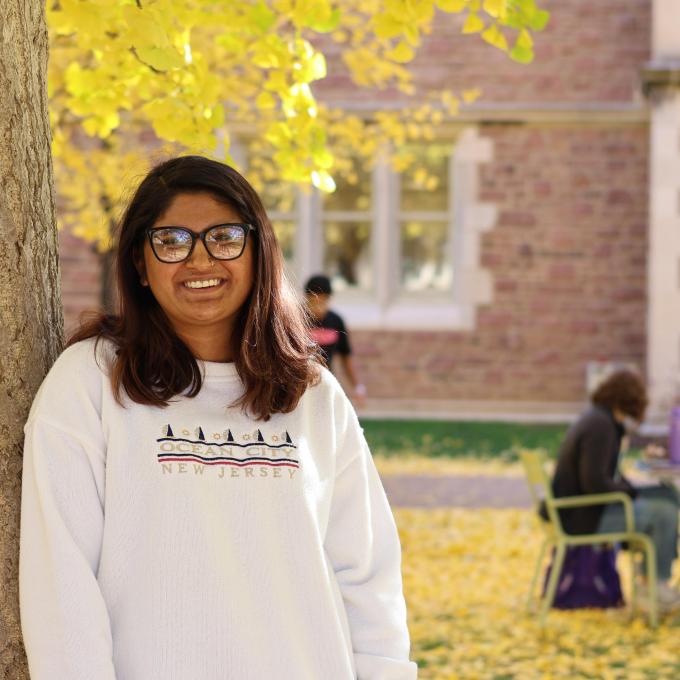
<point>280,201</point>
<point>402,249</point>
<point>347,227</point>
<point>425,225</point>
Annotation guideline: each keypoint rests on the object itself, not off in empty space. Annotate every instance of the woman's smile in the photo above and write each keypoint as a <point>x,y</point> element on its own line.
<point>204,285</point>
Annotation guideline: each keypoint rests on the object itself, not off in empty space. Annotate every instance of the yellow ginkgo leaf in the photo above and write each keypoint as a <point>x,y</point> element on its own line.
<point>495,37</point>
<point>471,95</point>
<point>323,181</point>
<point>402,53</point>
<point>265,100</point>
<point>496,8</point>
<point>473,23</point>
<point>452,5</point>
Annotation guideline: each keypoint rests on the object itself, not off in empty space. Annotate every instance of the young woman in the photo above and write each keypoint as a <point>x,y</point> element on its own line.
<point>588,463</point>
<point>199,502</point>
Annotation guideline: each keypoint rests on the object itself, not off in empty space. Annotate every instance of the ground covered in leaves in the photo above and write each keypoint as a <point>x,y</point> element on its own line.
<point>466,574</point>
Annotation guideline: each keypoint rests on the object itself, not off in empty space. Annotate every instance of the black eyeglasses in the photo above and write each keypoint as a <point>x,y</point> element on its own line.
<point>175,244</point>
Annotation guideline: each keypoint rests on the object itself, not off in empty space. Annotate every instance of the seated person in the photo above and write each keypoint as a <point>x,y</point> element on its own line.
<point>588,463</point>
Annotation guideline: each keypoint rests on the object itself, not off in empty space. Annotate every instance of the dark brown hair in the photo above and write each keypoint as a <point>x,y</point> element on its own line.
<point>273,353</point>
<point>625,391</point>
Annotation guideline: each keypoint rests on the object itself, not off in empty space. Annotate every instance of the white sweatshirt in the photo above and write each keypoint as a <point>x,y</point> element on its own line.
<point>195,543</point>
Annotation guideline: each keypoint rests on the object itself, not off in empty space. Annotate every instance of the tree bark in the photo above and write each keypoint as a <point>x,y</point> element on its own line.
<point>31,321</point>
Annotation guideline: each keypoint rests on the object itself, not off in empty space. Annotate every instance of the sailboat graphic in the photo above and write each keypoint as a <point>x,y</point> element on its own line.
<point>230,436</point>
<point>167,431</point>
<point>199,433</point>
<point>260,438</point>
<point>288,439</point>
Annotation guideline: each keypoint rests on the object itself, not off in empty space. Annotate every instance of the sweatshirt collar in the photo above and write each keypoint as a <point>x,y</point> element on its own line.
<point>218,370</point>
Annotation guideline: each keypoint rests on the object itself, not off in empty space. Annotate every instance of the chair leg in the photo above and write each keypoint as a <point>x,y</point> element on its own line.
<point>633,583</point>
<point>537,571</point>
<point>650,559</point>
<point>556,570</point>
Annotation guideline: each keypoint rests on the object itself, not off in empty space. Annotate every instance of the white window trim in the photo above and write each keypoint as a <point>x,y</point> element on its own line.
<point>385,307</point>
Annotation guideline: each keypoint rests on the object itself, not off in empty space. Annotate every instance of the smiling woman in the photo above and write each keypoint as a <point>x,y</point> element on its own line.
<point>192,474</point>
<point>200,276</point>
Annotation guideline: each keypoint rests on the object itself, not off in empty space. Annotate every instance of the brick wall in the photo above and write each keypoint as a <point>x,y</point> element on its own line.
<point>568,260</point>
<point>589,52</point>
<point>80,278</point>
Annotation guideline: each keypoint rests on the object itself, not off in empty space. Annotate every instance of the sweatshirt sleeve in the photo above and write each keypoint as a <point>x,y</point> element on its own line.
<point>64,619</point>
<point>363,545</point>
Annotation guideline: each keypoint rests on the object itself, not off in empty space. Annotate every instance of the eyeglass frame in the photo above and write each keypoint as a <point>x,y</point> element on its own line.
<point>247,228</point>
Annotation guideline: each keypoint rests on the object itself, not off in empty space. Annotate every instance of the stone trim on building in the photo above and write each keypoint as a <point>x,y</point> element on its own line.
<point>469,219</point>
<point>662,85</point>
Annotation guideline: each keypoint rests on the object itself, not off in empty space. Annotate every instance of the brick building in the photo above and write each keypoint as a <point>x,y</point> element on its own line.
<point>551,242</point>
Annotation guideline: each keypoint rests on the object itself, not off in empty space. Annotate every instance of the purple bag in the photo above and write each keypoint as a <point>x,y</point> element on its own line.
<point>674,439</point>
<point>588,579</point>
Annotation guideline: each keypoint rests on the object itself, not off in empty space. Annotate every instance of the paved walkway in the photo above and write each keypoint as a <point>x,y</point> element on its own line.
<point>475,491</point>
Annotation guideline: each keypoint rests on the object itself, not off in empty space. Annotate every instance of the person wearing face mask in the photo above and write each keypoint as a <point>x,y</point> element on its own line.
<point>588,463</point>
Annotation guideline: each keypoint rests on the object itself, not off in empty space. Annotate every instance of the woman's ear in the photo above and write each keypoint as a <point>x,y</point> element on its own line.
<point>140,266</point>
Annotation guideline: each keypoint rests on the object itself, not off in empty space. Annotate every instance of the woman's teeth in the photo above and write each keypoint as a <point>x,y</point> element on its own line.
<point>203,284</point>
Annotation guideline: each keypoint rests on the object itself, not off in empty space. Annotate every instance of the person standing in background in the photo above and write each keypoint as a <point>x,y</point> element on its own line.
<point>330,333</point>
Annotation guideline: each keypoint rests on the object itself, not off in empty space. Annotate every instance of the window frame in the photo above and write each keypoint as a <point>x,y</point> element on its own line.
<point>387,306</point>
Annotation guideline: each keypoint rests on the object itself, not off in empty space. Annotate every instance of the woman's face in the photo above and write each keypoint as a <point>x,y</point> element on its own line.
<point>207,310</point>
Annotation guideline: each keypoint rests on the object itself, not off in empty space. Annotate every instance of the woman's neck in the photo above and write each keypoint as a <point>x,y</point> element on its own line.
<point>208,345</point>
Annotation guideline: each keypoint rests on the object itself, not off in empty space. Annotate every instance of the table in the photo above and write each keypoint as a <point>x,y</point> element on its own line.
<point>660,470</point>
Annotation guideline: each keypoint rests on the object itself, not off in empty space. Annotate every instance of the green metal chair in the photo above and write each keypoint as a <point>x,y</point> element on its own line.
<point>534,463</point>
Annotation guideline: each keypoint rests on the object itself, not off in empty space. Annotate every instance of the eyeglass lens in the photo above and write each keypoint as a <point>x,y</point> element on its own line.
<point>223,242</point>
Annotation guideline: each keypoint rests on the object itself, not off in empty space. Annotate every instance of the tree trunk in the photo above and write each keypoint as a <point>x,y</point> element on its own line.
<point>31,321</point>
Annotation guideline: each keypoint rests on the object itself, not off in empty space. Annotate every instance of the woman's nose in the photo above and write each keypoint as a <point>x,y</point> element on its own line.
<point>200,257</point>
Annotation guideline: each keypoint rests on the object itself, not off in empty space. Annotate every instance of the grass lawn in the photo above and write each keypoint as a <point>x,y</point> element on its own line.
<point>457,439</point>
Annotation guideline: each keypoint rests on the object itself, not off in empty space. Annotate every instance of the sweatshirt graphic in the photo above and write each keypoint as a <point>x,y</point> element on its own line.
<point>248,451</point>
<point>192,542</point>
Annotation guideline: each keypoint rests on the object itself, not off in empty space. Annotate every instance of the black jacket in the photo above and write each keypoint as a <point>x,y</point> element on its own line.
<point>587,463</point>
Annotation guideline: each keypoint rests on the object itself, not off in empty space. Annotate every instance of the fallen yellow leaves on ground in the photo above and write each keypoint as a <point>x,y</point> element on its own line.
<point>466,575</point>
<point>415,464</point>
<point>418,464</point>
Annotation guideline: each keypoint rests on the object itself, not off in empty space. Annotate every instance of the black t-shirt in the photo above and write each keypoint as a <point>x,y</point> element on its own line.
<point>331,335</point>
